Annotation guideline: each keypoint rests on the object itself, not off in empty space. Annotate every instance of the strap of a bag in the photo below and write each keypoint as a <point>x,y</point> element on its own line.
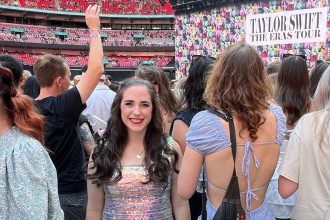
<point>228,118</point>
<point>232,140</point>
<point>204,212</point>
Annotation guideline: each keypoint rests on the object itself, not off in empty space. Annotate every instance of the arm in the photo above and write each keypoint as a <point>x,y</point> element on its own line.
<point>87,139</point>
<point>189,173</point>
<point>179,132</point>
<point>288,181</point>
<point>286,187</point>
<point>32,179</point>
<point>95,197</point>
<point>180,206</point>
<point>95,59</point>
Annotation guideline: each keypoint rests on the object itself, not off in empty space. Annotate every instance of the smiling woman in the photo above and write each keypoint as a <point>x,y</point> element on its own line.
<point>133,171</point>
<point>136,109</point>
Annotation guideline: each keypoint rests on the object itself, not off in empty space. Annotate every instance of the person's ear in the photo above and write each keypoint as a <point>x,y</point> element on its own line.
<point>58,81</point>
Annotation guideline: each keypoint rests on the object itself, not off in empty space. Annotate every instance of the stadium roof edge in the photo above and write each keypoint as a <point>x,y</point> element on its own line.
<point>15,8</point>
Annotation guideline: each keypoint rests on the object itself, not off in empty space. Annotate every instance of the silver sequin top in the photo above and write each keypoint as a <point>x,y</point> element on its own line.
<point>28,180</point>
<point>131,199</point>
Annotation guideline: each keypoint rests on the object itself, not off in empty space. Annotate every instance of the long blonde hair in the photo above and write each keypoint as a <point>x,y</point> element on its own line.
<point>321,101</point>
<point>321,98</point>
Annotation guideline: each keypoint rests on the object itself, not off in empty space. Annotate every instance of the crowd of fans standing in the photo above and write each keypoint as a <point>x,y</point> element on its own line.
<point>151,148</point>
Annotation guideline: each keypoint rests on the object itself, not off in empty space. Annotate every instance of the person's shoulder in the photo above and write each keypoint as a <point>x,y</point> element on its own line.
<point>187,115</point>
<point>311,123</point>
<point>26,145</point>
<point>70,92</point>
<point>190,111</point>
<point>103,90</point>
<point>111,93</point>
<point>314,115</point>
<point>206,134</point>
<point>45,102</point>
<point>276,108</point>
<point>204,115</point>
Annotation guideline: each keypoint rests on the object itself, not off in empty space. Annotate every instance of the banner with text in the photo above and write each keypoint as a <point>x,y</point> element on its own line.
<point>300,26</point>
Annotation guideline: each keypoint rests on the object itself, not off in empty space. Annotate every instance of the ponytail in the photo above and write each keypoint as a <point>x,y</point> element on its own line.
<point>20,108</point>
<point>26,117</point>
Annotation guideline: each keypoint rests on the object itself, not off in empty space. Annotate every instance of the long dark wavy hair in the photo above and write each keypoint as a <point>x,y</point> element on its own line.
<point>238,85</point>
<point>160,158</point>
<point>293,88</point>
<point>194,86</point>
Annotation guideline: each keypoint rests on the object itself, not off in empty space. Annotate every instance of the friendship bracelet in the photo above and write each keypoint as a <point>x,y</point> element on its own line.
<point>95,35</point>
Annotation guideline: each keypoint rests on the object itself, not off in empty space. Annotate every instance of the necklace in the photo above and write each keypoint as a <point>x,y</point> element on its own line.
<point>139,156</point>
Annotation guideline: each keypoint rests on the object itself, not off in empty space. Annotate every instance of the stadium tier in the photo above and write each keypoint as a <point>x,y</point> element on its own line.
<point>74,36</point>
<point>135,7</point>
<point>112,61</point>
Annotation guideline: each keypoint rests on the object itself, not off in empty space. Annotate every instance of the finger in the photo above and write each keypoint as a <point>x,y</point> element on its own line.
<point>98,10</point>
<point>88,10</point>
<point>93,10</point>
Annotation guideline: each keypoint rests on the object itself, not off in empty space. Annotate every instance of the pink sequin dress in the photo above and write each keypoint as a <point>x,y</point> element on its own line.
<point>131,199</point>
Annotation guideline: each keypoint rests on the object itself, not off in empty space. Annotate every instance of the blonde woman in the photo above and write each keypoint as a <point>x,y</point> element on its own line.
<point>307,157</point>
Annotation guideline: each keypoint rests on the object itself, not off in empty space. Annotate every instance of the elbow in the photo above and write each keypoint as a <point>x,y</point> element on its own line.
<point>286,187</point>
<point>99,69</point>
<point>96,68</point>
<point>283,193</point>
<point>183,193</point>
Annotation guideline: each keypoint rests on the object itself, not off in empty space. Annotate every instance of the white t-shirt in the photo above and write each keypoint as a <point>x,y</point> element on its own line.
<point>98,110</point>
<point>308,165</point>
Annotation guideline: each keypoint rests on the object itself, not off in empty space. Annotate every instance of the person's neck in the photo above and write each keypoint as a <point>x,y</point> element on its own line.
<point>135,139</point>
<point>47,92</point>
<point>5,124</point>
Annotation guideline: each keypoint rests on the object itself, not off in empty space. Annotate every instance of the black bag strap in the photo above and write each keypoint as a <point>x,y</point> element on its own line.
<point>204,212</point>
<point>228,118</point>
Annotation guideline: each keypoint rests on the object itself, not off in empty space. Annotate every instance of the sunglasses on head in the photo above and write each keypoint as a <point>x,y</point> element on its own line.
<point>298,55</point>
<point>197,57</point>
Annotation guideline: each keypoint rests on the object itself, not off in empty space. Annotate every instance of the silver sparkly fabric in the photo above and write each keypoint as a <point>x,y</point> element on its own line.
<point>28,180</point>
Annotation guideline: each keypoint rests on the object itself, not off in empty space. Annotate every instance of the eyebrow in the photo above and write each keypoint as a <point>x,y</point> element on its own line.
<point>143,102</point>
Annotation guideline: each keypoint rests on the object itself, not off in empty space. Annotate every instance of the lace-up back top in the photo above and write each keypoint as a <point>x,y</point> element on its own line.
<point>206,135</point>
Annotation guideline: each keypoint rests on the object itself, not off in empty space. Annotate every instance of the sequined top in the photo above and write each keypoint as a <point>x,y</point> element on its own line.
<point>131,199</point>
<point>28,181</point>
